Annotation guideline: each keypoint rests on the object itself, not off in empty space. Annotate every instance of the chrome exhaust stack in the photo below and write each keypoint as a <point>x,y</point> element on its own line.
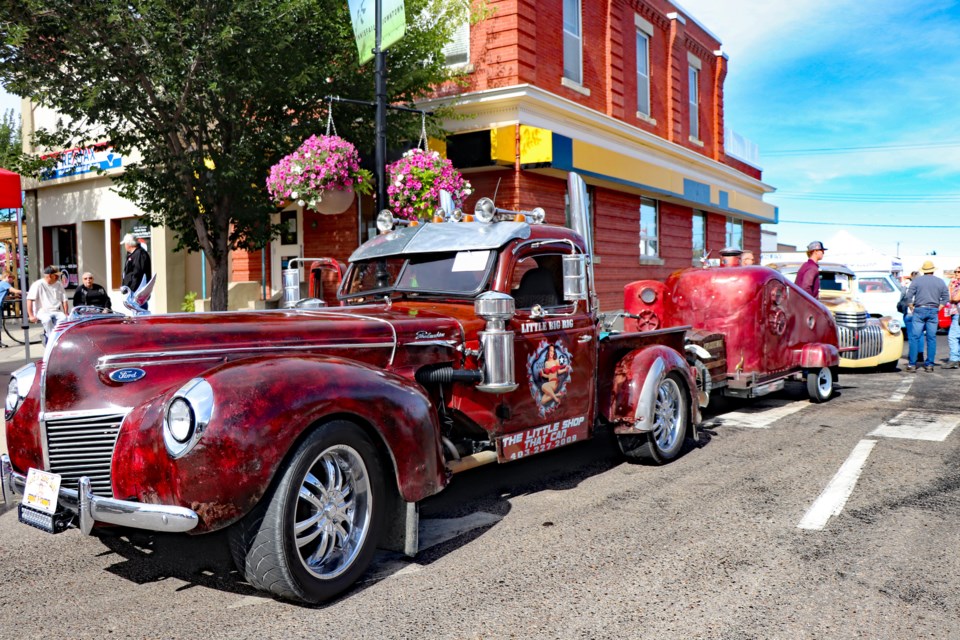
<point>496,342</point>
<point>581,223</point>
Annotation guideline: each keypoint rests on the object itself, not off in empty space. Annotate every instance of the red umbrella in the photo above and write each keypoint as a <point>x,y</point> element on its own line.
<point>10,192</point>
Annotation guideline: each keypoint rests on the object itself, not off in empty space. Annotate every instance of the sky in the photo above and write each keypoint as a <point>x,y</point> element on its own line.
<point>854,106</point>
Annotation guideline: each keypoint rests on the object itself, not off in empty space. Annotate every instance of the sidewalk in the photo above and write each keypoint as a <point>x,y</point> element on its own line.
<point>14,355</point>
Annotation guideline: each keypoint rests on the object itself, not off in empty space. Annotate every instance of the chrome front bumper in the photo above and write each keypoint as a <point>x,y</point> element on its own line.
<point>89,508</point>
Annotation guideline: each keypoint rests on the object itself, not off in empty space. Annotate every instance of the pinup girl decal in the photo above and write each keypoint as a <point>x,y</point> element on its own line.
<point>550,369</point>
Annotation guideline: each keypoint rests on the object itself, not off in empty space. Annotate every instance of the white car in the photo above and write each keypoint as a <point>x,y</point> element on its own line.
<point>879,292</point>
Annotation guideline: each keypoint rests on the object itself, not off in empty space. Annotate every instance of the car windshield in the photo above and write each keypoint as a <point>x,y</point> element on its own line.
<point>876,284</point>
<point>460,273</point>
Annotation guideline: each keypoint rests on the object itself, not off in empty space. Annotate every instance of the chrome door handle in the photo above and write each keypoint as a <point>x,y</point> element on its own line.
<point>585,338</point>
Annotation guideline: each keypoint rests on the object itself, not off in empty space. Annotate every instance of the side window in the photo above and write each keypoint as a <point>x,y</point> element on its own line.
<point>694,96</point>
<point>649,240</point>
<point>699,239</point>
<point>538,281</point>
<point>734,233</point>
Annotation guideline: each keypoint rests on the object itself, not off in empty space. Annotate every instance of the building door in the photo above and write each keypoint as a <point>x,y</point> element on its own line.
<point>288,246</point>
<point>60,250</point>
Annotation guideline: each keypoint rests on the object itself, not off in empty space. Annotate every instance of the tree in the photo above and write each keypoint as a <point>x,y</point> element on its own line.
<point>209,93</point>
<point>10,145</point>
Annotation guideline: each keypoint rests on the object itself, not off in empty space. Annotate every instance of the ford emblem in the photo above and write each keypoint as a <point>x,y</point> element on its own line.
<point>127,375</point>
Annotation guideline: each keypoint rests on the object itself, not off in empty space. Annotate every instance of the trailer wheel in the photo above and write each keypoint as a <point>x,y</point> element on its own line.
<point>820,384</point>
<point>671,418</point>
<point>315,533</point>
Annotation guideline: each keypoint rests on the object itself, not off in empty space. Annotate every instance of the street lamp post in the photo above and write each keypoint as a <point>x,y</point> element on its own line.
<point>380,126</point>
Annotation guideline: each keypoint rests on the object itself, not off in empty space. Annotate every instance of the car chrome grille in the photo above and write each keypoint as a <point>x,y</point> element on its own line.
<point>854,319</point>
<point>868,340</point>
<point>82,445</point>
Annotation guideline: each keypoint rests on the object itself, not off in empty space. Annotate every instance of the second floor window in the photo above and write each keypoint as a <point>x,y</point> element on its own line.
<point>699,235</point>
<point>643,73</point>
<point>649,240</point>
<point>457,51</point>
<point>572,42</point>
<point>694,102</point>
<point>734,233</point>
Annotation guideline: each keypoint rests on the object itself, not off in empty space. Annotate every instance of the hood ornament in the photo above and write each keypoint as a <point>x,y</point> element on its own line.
<point>134,300</point>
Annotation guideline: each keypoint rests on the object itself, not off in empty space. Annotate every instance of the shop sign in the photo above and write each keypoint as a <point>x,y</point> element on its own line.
<point>141,231</point>
<point>73,162</point>
<point>363,16</point>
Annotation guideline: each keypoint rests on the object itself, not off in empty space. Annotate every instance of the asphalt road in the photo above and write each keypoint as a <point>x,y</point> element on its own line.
<point>577,543</point>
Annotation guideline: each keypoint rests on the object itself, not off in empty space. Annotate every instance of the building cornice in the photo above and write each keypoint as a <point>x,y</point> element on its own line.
<point>530,105</point>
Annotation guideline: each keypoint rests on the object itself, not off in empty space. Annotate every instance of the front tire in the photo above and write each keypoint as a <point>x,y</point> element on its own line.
<point>671,418</point>
<point>820,384</point>
<point>315,533</point>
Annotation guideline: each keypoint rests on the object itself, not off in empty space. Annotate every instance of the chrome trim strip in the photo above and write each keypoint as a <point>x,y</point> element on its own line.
<point>85,413</point>
<point>450,344</point>
<point>91,508</point>
<point>108,360</point>
<point>101,366</point>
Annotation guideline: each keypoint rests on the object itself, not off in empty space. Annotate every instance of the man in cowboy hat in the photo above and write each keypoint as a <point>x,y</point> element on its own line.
<point>808,276</point>
<point>136,267</point>
<point>926,295</point>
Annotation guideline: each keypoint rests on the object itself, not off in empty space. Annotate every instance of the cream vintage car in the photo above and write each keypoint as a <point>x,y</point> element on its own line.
<point>864,341</point>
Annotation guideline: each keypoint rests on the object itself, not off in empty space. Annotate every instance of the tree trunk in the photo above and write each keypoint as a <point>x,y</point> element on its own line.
<point>218,289</point>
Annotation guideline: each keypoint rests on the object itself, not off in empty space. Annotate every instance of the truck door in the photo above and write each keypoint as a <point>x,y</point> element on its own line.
<point>555,362</point>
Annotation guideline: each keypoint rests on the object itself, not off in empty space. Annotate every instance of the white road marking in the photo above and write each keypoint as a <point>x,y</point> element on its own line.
<point>902,390</point>
<point>918,425</point>
<point>834,497</point>
<point>760,415</point>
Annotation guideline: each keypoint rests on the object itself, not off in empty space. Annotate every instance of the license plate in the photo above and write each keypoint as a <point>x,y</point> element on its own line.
<point>41,491</point>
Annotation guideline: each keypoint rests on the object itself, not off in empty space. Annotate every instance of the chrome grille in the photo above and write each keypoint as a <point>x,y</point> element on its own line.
<point>82,445</point>
<point>855,319</point>
<point>868,340</point>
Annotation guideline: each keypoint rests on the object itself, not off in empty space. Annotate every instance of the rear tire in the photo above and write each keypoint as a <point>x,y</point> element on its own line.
<point>315,533</point>
<point>671,419</point>
<point>820,384</point>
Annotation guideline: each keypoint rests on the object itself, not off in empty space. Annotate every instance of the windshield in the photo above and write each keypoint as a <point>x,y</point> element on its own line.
<point>460,273</point>
<point>876,284</point>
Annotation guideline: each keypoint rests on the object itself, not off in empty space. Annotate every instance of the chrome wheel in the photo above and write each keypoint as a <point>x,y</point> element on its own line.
<point>668,415</point>
<point>332,512</point>
<point>820,384</point>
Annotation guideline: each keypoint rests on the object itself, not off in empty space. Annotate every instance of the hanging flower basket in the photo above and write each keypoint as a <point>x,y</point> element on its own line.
<point>323,174</point>
<point>415,182</point>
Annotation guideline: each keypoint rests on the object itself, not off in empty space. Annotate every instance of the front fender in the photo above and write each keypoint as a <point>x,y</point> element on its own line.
<point>635,382</point>
<point>262,408</point>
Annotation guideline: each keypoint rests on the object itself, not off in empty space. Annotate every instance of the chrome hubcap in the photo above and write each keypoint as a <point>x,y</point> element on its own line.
<point>667,420</point>
<point>332,516</point>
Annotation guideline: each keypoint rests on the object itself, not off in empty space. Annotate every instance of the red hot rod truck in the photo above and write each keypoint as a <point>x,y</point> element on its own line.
<point>313,432</point>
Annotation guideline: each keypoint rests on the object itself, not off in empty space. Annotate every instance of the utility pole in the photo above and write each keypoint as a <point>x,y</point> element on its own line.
<point>380,126</point>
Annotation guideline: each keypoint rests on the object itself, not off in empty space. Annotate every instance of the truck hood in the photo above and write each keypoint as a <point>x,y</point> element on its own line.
<point>118,362</point>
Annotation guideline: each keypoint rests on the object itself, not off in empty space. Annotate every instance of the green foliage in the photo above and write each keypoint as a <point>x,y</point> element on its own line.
<point>10,136</point>
<point>188,301</point>
<point>210,94</point>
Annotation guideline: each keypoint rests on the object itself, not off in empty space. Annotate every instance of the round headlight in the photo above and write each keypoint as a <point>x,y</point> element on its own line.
<point>385,221</point>
<point>648,295</point>
<point>13,397</point>
<point>485,210</point>
<point>180,420</point>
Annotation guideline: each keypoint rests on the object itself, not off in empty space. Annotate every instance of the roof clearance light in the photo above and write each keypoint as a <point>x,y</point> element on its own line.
<point>385,221</point>
<point>485,211</point>
<point>536,216</point>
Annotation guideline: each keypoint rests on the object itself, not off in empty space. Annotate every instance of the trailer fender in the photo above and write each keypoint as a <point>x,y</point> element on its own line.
<point>817,355</point>
<point>636,379</point>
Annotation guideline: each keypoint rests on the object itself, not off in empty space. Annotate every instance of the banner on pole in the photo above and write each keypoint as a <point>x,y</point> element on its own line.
<point>363,16</point>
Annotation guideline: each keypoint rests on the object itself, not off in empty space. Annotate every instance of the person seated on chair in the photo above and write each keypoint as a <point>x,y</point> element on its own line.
<point>7,288</point>
<point>90,294</point>
<point>47,301</point>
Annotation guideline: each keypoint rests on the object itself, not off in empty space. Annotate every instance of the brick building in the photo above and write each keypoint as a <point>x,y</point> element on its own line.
<point>629,93</point>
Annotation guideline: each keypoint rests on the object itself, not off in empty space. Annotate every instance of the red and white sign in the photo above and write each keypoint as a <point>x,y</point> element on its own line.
<point>540,439</point>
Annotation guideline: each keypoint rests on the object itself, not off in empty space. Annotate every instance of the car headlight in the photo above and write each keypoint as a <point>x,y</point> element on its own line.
<point>20,382</point>
<point>892,325</point>
<point>187,415</point>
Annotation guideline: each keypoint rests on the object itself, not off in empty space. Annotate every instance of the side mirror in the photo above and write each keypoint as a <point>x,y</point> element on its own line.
<point>575,277</point>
